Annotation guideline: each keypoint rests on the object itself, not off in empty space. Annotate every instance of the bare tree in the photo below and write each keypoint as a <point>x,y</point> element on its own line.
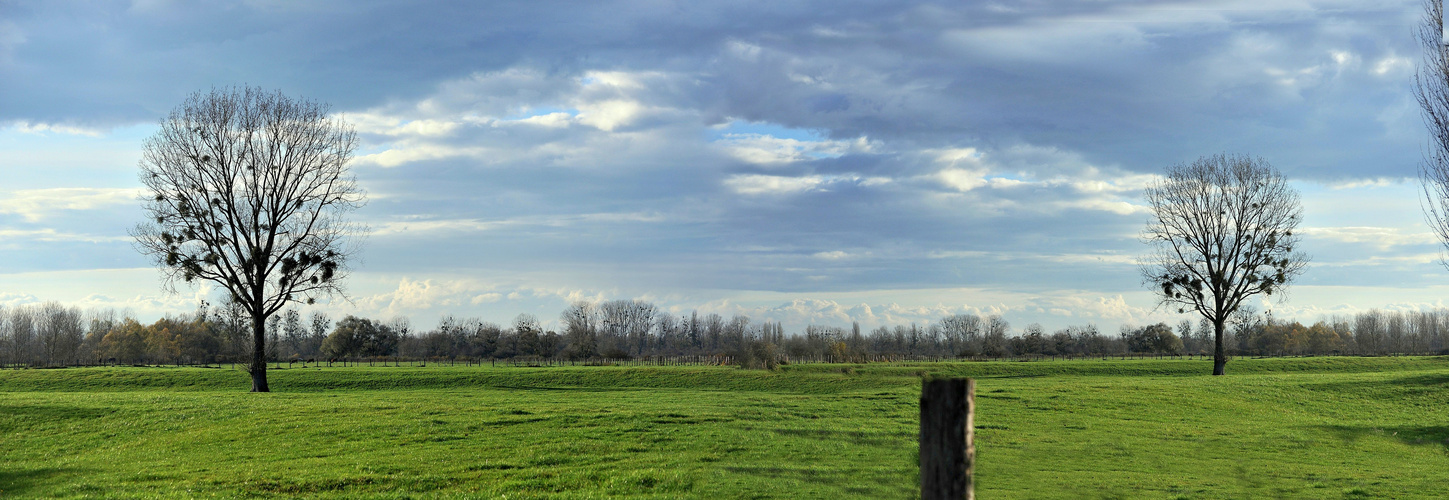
<point>21,327</point>
<point>249,190</point>
<point>60,332</point>
<point>580,322</point>
<point>627,322</point>
<point>1431,88</point>
<point>1221,232</point>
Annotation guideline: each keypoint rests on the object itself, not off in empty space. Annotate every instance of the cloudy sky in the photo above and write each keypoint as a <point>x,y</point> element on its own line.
<point>883,162</point>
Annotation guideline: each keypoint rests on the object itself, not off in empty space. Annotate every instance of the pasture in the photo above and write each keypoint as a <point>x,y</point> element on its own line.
<point>1272,428</point>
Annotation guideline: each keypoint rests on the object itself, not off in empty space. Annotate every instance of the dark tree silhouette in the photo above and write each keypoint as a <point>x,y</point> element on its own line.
<point>1221,232</point>
<point>249,190</point>
<point>1431,88</point>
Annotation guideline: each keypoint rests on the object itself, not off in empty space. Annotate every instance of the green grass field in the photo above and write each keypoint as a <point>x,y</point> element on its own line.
<point>1272,428</point>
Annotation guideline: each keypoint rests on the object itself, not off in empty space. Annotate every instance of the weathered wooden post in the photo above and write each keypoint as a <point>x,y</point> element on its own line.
<point>947,447</point>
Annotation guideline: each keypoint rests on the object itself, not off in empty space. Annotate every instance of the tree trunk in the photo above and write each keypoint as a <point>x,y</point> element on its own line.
<point>259,355</point>
<point>1220,357</point>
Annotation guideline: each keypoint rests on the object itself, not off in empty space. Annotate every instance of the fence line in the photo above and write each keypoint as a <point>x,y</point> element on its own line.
<point>659,360</point>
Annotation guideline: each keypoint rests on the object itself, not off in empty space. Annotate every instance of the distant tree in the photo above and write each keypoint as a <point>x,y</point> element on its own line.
<point>249,190</point>
<point>197,342</point>
<point>274,338</point>
<point>525,327</point>
<point>1221,232</point>
<point>294,333</point>
<point>20,329</point>
<point>126,343</point>
<point>348,338</point>
<point>61,332</point>
<point>1031,341</point>
<point>99,324</point>
<point>962,333</point>
<point>402,328</point>
<point>319,325</point>
<point>1368,332</point>
<point>994,343</point>
<point>581,330</point>
<point>627,323</point>
<point>1156,338</point>
<point>380,340</point>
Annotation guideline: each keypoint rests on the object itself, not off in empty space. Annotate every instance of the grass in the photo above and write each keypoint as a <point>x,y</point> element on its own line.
<point>1273,428</point>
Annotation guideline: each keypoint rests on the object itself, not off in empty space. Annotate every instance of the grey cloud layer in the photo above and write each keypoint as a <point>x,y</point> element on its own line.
<point>799,148</point>
<point>1317,86</point>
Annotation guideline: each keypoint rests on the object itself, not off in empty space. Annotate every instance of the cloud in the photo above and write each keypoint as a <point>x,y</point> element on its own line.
<point>1366,182</point>
<point>766,149</point>
<point>1383,238</point>
<point>37,204</point>
<point>26,127</point>
<point>414,226</point>
<point>757,184</point>
<point>51,235</point>
<point>708,149</point>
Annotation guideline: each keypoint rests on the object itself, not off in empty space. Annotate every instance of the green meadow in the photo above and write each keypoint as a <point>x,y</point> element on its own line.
<point>1272,428</point>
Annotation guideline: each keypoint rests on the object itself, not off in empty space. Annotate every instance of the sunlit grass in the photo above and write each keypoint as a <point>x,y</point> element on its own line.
<point>1282,428</point>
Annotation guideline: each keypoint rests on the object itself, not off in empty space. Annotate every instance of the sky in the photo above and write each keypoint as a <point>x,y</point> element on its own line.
<point>822,162</point>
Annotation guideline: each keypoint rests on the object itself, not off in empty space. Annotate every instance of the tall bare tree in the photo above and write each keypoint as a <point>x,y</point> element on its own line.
<point>249,190</point>
<point>1221,232</point>
<point>1431,88</point>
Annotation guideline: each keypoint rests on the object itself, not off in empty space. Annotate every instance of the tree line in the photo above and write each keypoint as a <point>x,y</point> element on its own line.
<point>51,334</point>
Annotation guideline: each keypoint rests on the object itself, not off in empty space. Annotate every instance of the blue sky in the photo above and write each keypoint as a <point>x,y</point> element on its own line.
<point>804,162</point>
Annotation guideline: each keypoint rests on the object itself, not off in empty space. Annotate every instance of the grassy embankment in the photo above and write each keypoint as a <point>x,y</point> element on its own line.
<point>1276,428</point>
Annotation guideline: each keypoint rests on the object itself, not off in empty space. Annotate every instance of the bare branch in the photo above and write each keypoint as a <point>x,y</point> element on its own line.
<point>1431,89</point>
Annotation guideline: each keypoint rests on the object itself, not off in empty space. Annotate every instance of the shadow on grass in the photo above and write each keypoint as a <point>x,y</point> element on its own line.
<point>1432,435</point>
<point>563,388</point>
<point>861,438</point>
<point>1436,380</point>
<point>1391,389</point>
<point>19,483</point>
<point>853,483</point>
<point>50,413</point>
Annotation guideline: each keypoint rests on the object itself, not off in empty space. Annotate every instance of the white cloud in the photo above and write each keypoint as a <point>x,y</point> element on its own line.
<point>1075,184</point>
<point>1118,207</point>
<point>767,149</point>
<point>420,152</point>
<point>37,204</point>
<point>1383,238</point>
<point>27,127</point>
<point>486,298</point>
<point>962,180</point>
<point>423,225</point>
<point>12,236</point>
<point>550,120</point>
<point>1376,182</point>
<point>412,296</point>
<point>611,114</point>
<point>1393,65</point>
<point>759,184</point>
<point>373,123</point>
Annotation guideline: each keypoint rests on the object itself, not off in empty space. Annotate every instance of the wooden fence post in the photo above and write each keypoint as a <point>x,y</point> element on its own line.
<point>946,440</point>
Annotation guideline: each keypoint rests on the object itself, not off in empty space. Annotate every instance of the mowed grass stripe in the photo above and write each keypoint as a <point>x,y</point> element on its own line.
<point>1277,428</point>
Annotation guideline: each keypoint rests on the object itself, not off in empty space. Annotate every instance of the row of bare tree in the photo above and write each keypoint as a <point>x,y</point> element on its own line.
<point>51,334</point>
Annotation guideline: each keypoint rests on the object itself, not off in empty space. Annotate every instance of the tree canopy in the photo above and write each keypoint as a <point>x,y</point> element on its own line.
<point>249,190</point>
<point>1221,232</point>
